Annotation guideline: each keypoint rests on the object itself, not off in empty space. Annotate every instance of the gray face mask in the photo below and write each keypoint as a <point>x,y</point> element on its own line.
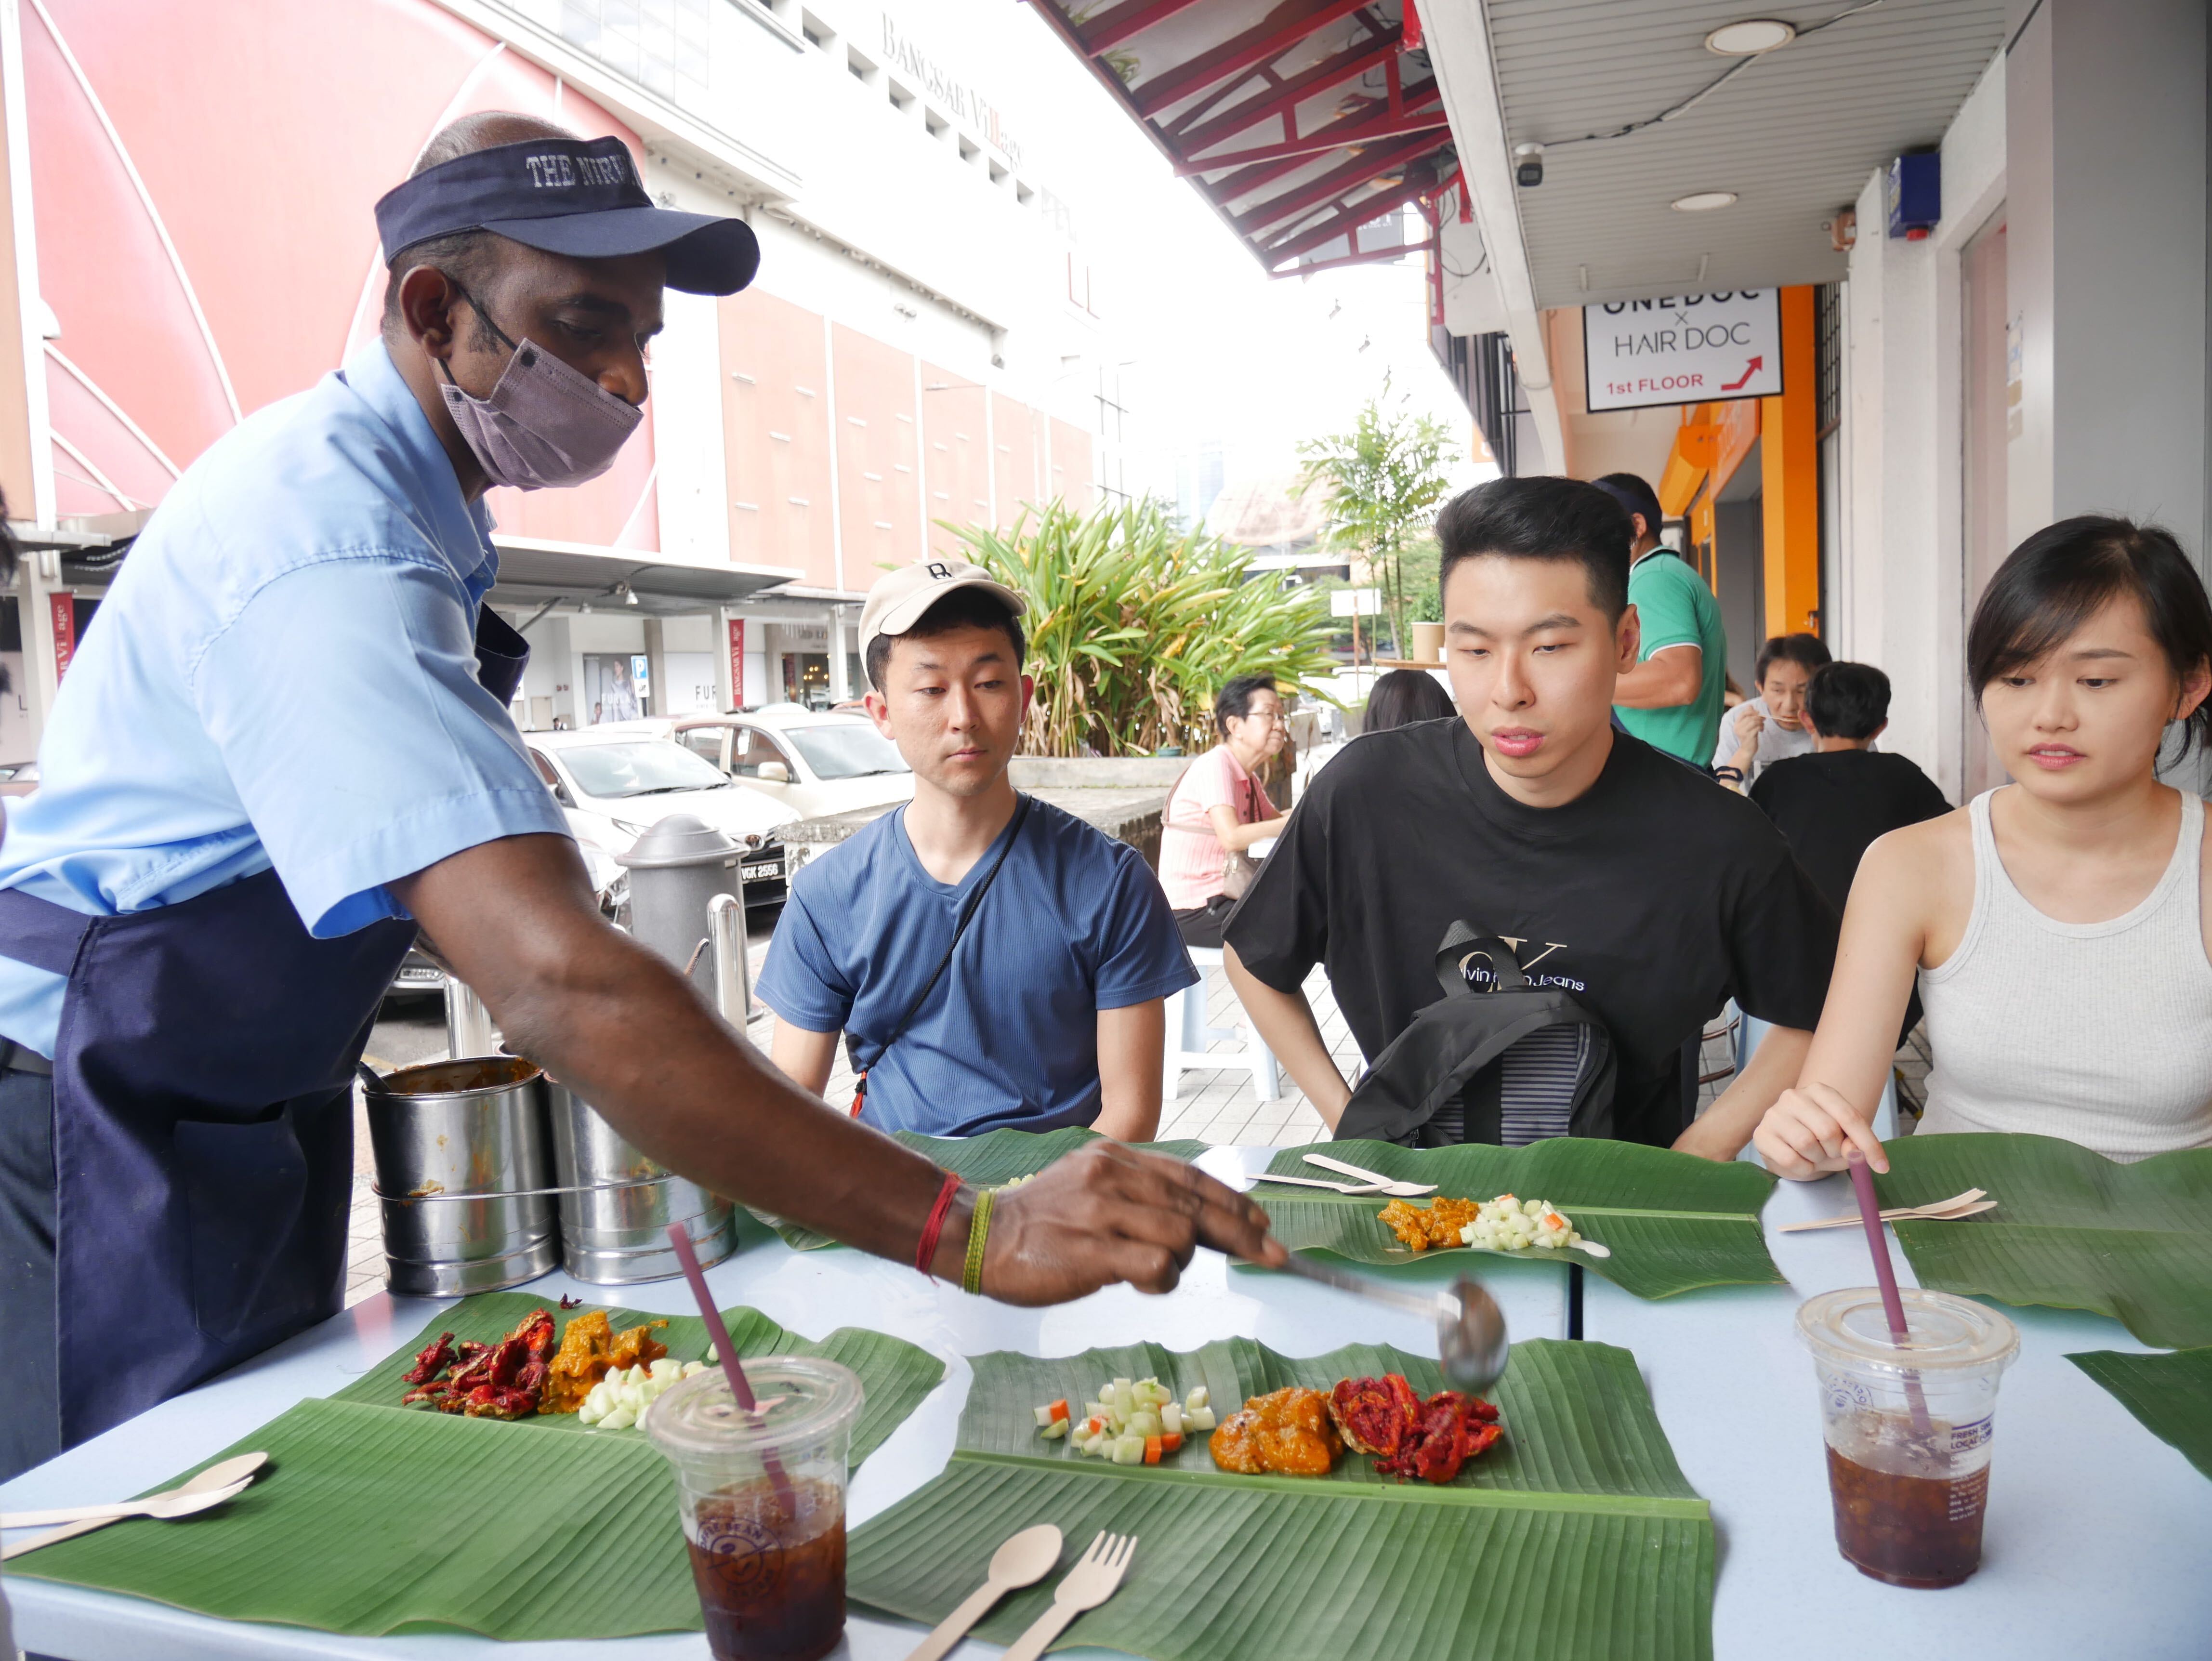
<point>545,425</point>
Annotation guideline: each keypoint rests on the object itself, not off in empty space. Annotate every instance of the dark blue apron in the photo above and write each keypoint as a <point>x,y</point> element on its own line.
<point>203,1121</point>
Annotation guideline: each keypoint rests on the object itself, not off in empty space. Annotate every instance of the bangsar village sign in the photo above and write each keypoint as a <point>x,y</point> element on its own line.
<point>953,95</point>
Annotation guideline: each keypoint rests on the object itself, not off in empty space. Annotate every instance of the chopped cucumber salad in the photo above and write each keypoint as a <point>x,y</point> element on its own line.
<point>1133,1422</point>
<point>1507,1224</point>
<point>619,1400</point>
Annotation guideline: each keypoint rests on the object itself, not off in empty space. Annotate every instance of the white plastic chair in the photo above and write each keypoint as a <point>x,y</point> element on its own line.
<point>1188,1036</point>
<point>1751,1030</point>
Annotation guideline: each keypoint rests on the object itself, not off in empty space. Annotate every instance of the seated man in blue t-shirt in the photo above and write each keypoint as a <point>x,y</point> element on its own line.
<point>1047,1008</point>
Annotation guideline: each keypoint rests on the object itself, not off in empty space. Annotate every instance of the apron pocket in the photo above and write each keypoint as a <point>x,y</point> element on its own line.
<point>267,1206</point>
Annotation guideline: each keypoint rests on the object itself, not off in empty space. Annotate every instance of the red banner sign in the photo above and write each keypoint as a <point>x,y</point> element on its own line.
<point>64,616</point>
<point>737,663</point>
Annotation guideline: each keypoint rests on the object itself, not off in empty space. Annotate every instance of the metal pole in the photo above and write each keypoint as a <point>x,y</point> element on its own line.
<point>726,927</point>
<point>468,1022</point>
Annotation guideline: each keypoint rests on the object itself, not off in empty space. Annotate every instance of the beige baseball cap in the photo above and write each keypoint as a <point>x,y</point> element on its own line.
<point>898,599</point>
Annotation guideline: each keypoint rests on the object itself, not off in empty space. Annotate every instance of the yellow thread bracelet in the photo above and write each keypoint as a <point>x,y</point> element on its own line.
<point>979,1230</point>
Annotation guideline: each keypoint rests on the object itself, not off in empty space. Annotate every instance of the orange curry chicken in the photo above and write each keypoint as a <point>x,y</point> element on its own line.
<point>1287,1432</point>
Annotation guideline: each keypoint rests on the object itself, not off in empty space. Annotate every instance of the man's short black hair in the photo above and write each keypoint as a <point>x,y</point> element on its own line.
<point>1806,651</point>
<point>1235,699</point>
<point>1542,518</point>
<point>963,608</point>
<point>1847,700</point>
<point>1634,492</point>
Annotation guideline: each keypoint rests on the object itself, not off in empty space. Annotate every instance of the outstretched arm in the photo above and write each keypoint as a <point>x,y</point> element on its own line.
<point>1286,1025</point>
<point>516,918</point>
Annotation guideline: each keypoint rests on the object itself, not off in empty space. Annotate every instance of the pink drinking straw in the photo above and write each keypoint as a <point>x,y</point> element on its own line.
<point>727,1351</point>
<point>1885,1276</point>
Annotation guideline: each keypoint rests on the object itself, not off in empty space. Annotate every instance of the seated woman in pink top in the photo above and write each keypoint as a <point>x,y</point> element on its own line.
<point>1218,809</point>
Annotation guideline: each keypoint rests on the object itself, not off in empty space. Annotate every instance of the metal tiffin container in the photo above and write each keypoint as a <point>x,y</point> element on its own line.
<point>616,1204</point>
<point>462,1166</point>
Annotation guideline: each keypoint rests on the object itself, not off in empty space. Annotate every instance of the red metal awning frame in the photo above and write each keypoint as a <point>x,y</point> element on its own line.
<point>1397,148</point>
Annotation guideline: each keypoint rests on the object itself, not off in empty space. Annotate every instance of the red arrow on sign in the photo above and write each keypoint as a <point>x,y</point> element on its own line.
<point>1749,371</point>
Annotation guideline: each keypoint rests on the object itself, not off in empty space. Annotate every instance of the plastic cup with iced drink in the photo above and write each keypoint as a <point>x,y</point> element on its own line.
<point>1908,1429</point>
<point>763,1496</point>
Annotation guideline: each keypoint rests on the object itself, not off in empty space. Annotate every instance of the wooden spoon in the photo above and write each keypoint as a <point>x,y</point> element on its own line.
<point>1022,1560</point>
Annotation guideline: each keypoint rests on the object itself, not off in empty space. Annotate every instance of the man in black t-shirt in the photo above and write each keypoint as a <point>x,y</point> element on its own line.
<point>1833,803</point>
<point>1616,871</point>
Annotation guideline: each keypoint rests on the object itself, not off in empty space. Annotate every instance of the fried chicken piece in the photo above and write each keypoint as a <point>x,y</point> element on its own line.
<point>1438,1224</point>
<point>1453,1429</point>
<point>1287,1433</point>
<point>1376,1416</point>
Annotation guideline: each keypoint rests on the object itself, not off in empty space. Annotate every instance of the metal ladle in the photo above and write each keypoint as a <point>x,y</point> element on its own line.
<point>1471,1340</point>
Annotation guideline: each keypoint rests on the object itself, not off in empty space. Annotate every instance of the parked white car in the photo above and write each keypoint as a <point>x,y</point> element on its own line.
<point>615,784</point>
<point>815,763</point>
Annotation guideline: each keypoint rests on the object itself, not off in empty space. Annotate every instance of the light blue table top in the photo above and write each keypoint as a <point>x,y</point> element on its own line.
<point>2098,1532</point>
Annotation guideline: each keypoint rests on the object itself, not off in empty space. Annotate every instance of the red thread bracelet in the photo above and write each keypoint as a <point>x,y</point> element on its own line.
<point>927,1250</point>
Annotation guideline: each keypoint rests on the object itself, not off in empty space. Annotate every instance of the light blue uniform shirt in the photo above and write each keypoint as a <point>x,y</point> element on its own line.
<point>283,675</point>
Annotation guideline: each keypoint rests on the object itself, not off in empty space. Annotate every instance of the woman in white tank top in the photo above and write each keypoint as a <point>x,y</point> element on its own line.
<point>2058,926</point>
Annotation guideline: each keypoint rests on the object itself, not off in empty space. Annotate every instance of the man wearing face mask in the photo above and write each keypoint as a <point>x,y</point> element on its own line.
<point>287,746</point>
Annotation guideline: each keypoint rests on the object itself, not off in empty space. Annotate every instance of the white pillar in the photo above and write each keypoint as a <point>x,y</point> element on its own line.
<point>841,683</point>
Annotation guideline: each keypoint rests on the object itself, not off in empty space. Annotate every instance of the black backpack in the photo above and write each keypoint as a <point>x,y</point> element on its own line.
<point>1441,1076</point>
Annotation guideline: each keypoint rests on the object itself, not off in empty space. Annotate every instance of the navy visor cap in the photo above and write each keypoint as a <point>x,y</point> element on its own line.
<point>566,196</point>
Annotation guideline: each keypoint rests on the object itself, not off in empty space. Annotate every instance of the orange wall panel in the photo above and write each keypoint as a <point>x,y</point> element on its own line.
<point>775,435</point>
<point>15,405</point>
<point>1019,452</point>
<point>879,454</point>
<point>956,467</point>
<point>314,110</point>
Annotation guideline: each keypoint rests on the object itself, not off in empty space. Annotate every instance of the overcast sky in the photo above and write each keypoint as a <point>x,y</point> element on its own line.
<point>1223,353</point>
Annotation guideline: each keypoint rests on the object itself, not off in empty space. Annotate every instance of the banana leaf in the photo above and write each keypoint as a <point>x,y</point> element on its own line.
<point>1673,1222</point>
<point>372,1519</point>
<point>2072,1229</point>
<point>894,1374</point>
<point>1575,1536</point>
<point>994,1157</point>
<point>2171,1395</point>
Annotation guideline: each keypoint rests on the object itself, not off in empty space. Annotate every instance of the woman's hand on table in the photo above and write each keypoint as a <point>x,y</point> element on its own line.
<point>1808,1130</point>
<point>1108,1213</point>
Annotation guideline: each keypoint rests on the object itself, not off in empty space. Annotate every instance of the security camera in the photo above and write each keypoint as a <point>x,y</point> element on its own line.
<point>1528,166</point>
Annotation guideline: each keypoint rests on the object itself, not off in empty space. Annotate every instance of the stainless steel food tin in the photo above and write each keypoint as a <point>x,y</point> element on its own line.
<point>614,1235</point>
<point>457,1128</point>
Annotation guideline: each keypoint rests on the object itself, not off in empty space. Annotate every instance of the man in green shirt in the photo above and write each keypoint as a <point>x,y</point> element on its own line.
<point>1672,698</point>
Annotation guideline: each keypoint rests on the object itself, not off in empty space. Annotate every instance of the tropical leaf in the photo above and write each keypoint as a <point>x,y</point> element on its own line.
<point>1133,626</point>
<point>894,1374</point>
<point>990,1160</point>
<point>2072,1229</point>
<point>1577,1536</point>
<point>2171,1395</point>
<point>1672,1222</point>
<point>373,1519</point>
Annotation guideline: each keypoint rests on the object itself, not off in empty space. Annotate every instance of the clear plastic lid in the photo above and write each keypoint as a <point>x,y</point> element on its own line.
<point>801,1400</point>
<point>1943,1332</point>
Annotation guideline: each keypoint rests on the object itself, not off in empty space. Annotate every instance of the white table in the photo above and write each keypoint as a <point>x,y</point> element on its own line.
<point>2097,1538</point>
<point>2098,1535</point>
<point>811,1292</point>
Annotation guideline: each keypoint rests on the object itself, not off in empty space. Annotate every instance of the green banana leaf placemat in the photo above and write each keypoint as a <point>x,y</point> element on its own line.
<point>893,1373</point>
<point>996,1156</point>
<point>1577,1536</point>
<point>373,1519</point>
<point>1674,1222</point>
<point>2171,1395</point>
<point>2072,1229</point>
